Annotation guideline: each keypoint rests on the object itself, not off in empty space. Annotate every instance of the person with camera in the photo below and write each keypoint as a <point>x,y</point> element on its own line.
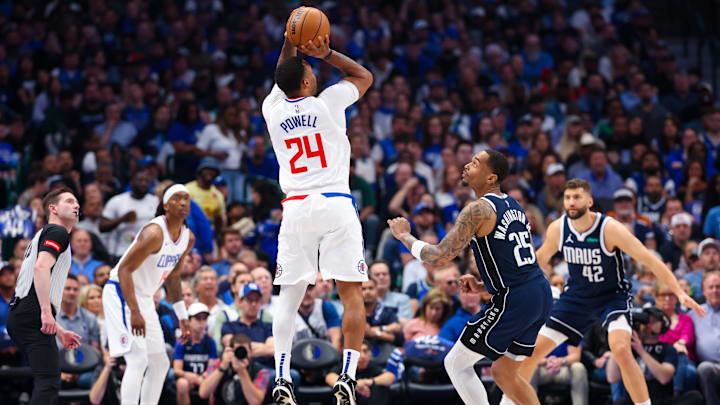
<point>107,381</point>
<point>657,360</point>
<point>236,378</point>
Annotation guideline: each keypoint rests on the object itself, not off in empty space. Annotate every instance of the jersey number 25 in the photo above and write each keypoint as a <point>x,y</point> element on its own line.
<point>303,146</point>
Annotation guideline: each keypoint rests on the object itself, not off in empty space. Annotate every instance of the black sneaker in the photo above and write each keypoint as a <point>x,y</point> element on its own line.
<point>283,393</point>
<point>344,390</point>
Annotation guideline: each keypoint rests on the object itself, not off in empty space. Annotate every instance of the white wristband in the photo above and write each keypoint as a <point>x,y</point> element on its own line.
<point>180,310</point>
<point>417,248</point>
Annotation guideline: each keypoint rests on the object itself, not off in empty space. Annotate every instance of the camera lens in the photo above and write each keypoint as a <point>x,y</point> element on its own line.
<point>241,353</point>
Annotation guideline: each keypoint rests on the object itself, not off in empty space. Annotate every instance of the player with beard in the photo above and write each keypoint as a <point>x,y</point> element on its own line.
<point>592,245</point>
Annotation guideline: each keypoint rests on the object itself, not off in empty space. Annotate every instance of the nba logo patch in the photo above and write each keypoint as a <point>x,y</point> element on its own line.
<point>297,108</point>
<point>361,266</point>
<point>278,271</point>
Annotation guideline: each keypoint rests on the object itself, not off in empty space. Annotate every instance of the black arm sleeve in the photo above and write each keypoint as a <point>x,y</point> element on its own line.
<point>54,239</point>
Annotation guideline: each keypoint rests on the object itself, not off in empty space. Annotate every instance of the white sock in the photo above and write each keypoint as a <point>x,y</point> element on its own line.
<point>459,364</point>
<point>284,326</point>
<point>136,361</point>
<point>506,401</point>
<point>350,361</point>
<point>643,403</point>
<point>157,369</point>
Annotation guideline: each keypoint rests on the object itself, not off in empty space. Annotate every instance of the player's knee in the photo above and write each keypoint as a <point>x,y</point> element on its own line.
<point>500,374</point>
<point>182,386</point>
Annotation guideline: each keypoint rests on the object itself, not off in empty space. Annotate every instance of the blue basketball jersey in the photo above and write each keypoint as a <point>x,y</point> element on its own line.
<point>506,257</point>
<point>593,269</point>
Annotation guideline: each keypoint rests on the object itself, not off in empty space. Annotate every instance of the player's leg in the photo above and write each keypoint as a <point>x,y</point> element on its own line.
<point>136,361</point>
<point>543,346</point>
<point>619,334</point>
<point>182,388</point>
<point>505,373</point>
<point>459,364</point>
<point>158,360</point>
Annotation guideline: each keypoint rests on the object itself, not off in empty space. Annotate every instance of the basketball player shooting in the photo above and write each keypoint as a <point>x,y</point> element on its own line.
<point>133,326</point>
<point>320,228</point>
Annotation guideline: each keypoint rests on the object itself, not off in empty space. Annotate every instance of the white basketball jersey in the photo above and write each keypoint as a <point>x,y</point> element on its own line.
<point>155,268</point>
<point>309,138</point>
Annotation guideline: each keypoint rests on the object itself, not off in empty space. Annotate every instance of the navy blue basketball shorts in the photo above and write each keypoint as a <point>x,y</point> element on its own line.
<point>510,323</point>
<point>573,316</point>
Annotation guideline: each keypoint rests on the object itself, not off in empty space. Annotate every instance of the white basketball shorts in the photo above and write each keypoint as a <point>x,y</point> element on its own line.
<point>320,232</point>
<point>117,323</point>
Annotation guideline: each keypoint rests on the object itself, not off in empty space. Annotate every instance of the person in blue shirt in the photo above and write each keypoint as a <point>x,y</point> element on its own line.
<point>602,178</point>
<point>193,358</point>
<point>249,323</point>
<point>712,223</point>
<point>82,259</point>
<point>470,304</point>
<point>232,244</point>
<point>260,162</point>
<point>711,208</point>
<point>381,321</point>
<point>535,59</point>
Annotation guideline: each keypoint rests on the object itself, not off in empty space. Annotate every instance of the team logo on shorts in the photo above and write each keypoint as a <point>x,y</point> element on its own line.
<point>278,271</point>
<point>361,266</point>
<point>123,339</point>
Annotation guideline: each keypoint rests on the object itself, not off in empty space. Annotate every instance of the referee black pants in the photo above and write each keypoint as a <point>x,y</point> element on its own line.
<point>23,326</point>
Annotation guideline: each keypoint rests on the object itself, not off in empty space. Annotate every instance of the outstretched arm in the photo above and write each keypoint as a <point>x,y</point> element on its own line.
<point>477,218</point>
<point>355,72</point>
<point>288,51</point>
<point>617,235</point>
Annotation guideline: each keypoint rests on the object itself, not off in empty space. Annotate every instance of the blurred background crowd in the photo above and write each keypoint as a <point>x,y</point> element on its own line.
<point>117,100</point>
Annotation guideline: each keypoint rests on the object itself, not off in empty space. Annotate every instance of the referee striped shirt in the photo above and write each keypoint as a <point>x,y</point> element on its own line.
<point>55,240</point>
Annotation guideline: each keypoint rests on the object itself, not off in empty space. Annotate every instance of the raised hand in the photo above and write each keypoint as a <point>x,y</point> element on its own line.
<point>320,51</point>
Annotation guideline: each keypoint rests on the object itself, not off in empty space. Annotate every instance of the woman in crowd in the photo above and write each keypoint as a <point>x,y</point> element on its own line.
<point>90,298</point>
<point>435,309</point>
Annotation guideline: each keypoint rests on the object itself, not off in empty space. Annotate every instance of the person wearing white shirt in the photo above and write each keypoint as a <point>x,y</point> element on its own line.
<point>223,136</point>
<point>125,214</point>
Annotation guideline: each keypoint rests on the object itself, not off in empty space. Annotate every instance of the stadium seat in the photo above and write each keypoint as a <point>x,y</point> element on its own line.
<point>427,393</point>
<point>81,360</point>
<point>380,353</point>
<point>314,355</point>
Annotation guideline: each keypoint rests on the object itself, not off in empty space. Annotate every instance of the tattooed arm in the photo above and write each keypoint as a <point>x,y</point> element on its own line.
<point>477,218</point>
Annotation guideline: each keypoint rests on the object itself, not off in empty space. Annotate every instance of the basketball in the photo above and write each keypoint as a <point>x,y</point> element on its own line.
<point>307,24</point>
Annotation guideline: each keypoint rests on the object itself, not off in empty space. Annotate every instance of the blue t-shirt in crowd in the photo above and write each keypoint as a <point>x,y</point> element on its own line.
<point>195,355</point>
<point>454,326</point>
<point>712,223</point>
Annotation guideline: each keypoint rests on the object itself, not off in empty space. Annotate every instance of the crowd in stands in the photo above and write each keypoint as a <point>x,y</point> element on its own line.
<point>118,100</point>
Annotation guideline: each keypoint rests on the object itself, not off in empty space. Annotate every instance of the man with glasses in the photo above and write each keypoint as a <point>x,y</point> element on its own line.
<point>250,324</point>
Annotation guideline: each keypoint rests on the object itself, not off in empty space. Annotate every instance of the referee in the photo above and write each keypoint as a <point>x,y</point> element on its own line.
<point>31,321</point>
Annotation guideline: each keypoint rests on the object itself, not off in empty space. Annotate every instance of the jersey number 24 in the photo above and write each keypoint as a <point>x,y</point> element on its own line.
<point>303,147</point>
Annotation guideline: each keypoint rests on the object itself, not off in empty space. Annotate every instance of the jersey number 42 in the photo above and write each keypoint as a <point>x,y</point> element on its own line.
<point>303,147</point>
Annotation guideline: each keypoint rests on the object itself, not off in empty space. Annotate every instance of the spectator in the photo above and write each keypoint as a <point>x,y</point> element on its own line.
<point>73,317</point>
<point>125,214</point>
<point>231,246</point>
<point>470,304</point>
<point>225,287</point>
<point>596,352</point>
<point>373,382</point>
<point>101,275</point>
<point>711,228</point>
<point>263,279</point>
<point>92,214</point>
<point>563,366</point>
<point>550,198</point>
<point>661,362</point>
<point>681,335</point>
<point>205,194</point>
<point>107,379</point>
<point>239,280</point>
<point>651,203</point>
<point>365,202</point>
<point>624,212</point>
<point>90,298</point>
<point>707,345</point>
<point>418,277</point>
<point>183,135</point>
<point>709,253</point>
<point>447,278</point>
<point>82,259</point>
<point>379,271</point>
<point>234,380</point>
<point>602,178</point>
<point>650,111</point>
<point>206,288</point>
<point>318,319</point>
<point>260,161</point>
<point>435,309</point>
<point>381,322</point>
<point>673,250</point>
<point>249,323</point>
<point>114,130</point>
<point>193,358</point>
<point>224,140</point>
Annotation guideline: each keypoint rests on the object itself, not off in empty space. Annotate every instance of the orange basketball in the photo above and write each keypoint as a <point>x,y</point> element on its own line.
<point>307,24</point>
